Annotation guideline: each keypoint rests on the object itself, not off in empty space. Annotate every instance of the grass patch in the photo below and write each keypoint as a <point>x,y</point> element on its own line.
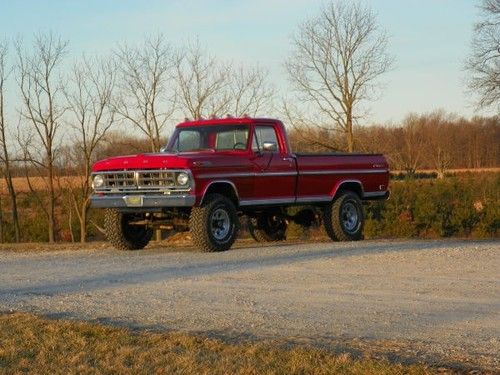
<point>30,344</point>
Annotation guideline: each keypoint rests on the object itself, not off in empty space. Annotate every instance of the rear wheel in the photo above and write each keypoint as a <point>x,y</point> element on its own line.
<point>268,227</point>
<point>214,225</point>
<point>343,218</point>
<point>122,233</point>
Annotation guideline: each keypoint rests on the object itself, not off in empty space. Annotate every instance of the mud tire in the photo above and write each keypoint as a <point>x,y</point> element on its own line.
<point>214,225</point>
<point>122,235</point>
<point>344,218</point>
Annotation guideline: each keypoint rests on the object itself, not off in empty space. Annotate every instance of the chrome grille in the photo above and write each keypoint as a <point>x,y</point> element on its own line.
<point>119,180</point>
<point>155,178</point>
<point>142,181</point>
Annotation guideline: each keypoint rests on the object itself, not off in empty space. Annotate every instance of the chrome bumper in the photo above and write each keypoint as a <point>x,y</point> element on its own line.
<point>141,201</point>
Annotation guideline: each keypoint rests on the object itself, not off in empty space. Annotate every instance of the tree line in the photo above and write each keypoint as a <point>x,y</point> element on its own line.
<point>68,113</point>
<point>436,141</point>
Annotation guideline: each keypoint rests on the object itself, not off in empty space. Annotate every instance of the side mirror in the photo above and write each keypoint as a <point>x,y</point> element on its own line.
<point>269,147</point>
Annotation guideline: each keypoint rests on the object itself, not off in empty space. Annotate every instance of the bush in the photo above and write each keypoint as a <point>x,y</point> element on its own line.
<point>455,206</point>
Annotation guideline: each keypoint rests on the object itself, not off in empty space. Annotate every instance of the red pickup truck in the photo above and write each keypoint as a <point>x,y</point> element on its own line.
<point>214,171</point>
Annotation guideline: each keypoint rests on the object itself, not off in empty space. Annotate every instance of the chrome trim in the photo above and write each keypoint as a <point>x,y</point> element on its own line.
<point>271,174</point>
<point>246,174</point>
<point>374,194</point>
<point>220,182</point>
<point>224,175</point>
<point>170,191</point>
<point>266,201</point>
<point>148,201</point>
<point>344,171</point>
<point>314,198</point>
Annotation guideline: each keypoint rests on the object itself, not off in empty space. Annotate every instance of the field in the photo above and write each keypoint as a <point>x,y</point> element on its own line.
<point>39,183</point>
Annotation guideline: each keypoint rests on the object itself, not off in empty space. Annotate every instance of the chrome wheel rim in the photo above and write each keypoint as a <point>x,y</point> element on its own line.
<point>220,224</point>
<point>349,217</point>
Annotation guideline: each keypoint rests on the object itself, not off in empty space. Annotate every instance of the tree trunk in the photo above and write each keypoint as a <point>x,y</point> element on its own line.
<point>13,202</point>
<point>350,142</point>
<point>10,188</point>
<point>83,224</point>
<point>1,221</point>
<point>52,199</point>
<point>348,129</point>
<point>70,222</point>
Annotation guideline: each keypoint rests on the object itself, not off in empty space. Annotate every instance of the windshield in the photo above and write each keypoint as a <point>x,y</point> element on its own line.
<point>217,138</point>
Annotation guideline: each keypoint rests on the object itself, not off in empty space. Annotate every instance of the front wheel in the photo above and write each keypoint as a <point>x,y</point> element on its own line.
<point>121,231</point>
<point>214,225</point>
<point>343,218</point>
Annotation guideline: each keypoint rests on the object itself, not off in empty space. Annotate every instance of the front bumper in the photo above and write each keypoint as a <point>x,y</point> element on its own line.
<point>141,201</point>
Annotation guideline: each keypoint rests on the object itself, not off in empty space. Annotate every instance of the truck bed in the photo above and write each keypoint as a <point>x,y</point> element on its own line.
<point>320,175</point>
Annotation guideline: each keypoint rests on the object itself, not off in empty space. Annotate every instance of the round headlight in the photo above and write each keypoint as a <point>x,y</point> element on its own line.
<point>182,178</point>
<point>98,181</point>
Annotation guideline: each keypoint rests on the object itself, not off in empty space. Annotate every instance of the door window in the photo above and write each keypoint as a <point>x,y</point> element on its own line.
<point>233,139</point>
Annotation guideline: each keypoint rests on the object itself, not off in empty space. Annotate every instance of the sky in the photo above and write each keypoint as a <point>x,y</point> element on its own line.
<point>429,39</point>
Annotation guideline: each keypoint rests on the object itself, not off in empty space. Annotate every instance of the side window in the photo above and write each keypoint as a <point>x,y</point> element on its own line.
<point>235,139</point>
<point>263,134</point>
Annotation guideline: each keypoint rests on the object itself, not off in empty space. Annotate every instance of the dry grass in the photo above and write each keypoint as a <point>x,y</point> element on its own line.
<point>29,344</point>
<point>39,183</point>
<point>452,171</point>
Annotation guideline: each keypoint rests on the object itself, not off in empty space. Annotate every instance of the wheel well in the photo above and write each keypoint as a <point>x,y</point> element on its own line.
<point>224,188</point>
<point>353,186</point>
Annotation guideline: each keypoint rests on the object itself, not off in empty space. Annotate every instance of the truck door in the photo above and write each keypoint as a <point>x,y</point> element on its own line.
<point>275,171</point>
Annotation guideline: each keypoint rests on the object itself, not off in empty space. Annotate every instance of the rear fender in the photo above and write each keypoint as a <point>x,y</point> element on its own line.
<point>352,185</point>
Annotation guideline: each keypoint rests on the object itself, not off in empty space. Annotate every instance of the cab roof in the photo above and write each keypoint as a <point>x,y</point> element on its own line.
<point>227,121</point>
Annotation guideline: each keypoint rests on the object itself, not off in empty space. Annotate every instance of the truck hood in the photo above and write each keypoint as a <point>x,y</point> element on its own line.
<point>162,160</point>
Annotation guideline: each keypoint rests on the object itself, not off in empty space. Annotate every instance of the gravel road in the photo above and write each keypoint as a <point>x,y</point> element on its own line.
<point>432,300</point>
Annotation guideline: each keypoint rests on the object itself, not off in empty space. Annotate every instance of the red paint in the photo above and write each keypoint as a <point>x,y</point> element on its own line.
<point>276,175</point>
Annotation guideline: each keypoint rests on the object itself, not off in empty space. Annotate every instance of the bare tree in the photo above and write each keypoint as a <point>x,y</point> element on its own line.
<point>439,140</point>
<point>250,91</point>
<point>484,61</point>
<point>89,98</point>
<point>5,156</point>
<point>202,83</point>
<point>146,97</point>
<point>319,138</point>
<point>407,144</point>
<point>208,87</point>
<point>42,110</point>
<point>336,60</point>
